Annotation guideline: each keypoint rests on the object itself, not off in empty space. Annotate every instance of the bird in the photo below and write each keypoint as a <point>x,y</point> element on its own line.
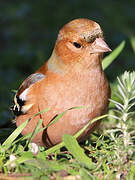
<point>71,77</point>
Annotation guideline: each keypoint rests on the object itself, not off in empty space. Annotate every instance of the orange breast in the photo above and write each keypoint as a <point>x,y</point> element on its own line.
<point>60,93</point>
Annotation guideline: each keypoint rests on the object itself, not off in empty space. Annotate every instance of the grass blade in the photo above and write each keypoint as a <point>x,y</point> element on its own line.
<point>62,114</point>
<point>88,124</point>
<point>132,41</point>
<point>58,146</point>
<point>8,142</point>
<point>111,57</point>
<point>36,130</point>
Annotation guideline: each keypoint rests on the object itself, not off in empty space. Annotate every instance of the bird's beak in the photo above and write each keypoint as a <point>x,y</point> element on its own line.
<point>99,46</point>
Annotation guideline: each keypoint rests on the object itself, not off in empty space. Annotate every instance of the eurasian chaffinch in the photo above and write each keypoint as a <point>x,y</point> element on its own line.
<point>71,77</point>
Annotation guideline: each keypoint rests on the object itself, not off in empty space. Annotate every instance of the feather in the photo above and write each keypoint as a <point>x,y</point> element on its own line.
<point>20,97</point>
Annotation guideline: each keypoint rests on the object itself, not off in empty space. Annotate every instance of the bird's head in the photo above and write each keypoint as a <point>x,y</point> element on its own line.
<point>80,42</point>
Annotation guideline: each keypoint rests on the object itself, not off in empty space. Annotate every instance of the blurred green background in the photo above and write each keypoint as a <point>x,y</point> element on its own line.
<point>28,30</point>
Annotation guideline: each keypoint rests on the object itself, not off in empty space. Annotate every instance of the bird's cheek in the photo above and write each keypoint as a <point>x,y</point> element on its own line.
<point>67,53</point>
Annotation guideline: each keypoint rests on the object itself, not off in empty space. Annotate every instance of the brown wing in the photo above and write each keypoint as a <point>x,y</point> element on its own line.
<point>32,79</point>
<point>18,101</point>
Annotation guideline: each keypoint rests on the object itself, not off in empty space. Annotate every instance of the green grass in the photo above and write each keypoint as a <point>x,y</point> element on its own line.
<point>107,154</point>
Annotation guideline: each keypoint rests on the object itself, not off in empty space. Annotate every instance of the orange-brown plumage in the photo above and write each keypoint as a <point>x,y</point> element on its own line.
<point>72,76</point>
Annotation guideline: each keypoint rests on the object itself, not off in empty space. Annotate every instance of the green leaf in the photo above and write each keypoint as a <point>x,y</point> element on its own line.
<point>25,157</point>
<point>111,57</point>
<point>8,142</point>
<point>132,41</point>
<point>85,174</point>
<point>46,164</point>
<point>78,153</point>
<point>14,91</point>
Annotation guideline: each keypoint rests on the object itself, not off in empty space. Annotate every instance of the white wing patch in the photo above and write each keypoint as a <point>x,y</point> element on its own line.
<point>25,108</point>
<point>23,95</point>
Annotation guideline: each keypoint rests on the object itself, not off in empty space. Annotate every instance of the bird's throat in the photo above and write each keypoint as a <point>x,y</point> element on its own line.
<point>56,65</point>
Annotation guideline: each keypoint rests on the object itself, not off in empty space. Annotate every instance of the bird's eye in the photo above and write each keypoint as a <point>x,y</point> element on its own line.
<point>77,45</point>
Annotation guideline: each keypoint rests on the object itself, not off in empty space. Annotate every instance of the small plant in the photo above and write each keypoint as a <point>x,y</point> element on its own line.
<point>123,134</point>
